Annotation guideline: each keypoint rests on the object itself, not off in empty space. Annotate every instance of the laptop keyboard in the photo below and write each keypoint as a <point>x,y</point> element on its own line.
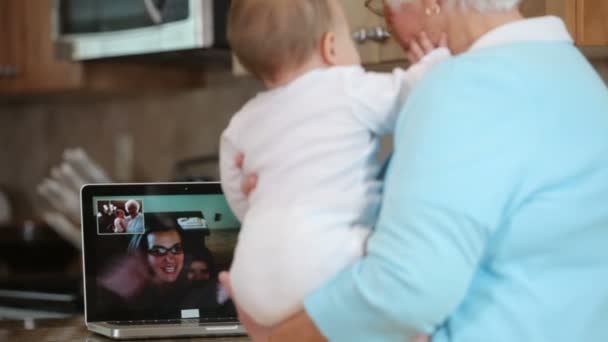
<point>174,321</point>
<point>147,322</point>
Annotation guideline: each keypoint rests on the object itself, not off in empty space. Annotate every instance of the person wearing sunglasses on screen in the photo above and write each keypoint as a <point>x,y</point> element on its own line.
<point>154,268</point>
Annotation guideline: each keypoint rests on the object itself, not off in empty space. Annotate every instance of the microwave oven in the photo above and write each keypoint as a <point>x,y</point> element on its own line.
<point>94,29</point>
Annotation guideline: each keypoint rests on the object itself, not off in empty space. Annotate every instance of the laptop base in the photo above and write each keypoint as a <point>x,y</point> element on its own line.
<point>158,330</point>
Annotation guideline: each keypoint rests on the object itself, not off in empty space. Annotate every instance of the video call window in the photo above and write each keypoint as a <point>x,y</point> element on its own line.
<point>169,270</point>
<point>120,216</point>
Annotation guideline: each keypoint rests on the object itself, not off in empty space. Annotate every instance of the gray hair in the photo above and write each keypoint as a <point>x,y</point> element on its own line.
<point>479,5</point>
<point>131,203</point>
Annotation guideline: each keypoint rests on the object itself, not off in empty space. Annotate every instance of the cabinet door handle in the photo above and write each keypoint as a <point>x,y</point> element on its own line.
<point>8,71</point>
<point>377,34</point>
<point>11,71</point>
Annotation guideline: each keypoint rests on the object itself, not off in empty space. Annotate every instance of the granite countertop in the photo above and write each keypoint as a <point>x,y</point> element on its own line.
<point>72,330</point>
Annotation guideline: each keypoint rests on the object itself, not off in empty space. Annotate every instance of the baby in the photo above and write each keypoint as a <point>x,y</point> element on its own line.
<point>312,138</point>
<point>120,223</point>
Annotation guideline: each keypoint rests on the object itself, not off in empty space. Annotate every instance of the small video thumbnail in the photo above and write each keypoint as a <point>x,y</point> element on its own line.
<point>120,216</point>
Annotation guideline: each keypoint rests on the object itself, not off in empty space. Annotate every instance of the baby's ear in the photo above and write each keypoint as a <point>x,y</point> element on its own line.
<point>328,48</point>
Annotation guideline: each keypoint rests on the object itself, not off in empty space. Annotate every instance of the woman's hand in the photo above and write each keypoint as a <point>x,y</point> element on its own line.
<point>126,277</point>
<point>256,332</point>
<point>422,46</point>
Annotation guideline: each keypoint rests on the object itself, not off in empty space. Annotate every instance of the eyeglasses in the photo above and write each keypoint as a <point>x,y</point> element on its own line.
<point>375,6</point>
<point>160,251</point>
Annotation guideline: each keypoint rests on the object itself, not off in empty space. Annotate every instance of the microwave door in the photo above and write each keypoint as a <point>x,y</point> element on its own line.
<point>98,16</point>
<point>101,28</point>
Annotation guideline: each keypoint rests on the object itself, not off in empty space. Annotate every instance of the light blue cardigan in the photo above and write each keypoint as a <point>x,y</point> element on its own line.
<point>494,224</point>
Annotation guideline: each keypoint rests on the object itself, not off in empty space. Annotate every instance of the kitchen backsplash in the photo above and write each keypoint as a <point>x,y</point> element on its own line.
<point>164,127</point>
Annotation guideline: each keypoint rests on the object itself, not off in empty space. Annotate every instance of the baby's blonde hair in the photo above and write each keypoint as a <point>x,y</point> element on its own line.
<point>269,36</point>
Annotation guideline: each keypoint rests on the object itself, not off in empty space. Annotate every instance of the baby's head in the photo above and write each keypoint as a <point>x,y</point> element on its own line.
<point>276,40</point>
<point>120,213</point>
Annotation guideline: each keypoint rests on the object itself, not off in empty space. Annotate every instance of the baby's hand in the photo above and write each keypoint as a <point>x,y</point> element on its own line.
<point>422,46</point>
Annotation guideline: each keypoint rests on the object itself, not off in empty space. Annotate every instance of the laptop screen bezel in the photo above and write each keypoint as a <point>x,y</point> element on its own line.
<point>89,227</point>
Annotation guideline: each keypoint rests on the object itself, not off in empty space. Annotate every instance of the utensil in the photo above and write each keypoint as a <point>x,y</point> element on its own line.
<point>61,192</point>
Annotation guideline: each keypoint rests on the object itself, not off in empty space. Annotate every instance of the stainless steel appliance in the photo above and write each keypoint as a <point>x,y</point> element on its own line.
<point>40,277</point>
<point>92,29</point>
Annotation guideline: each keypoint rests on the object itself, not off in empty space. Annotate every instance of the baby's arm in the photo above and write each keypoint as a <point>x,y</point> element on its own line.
<point>231,176</point>
<point>380,97</point>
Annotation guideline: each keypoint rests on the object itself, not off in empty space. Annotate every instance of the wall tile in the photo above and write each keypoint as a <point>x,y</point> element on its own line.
<point>165,127</point>
<point>24,154</point>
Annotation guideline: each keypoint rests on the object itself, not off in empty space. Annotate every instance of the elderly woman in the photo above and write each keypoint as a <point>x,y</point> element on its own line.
<point>135,219</point>
<point>495,211</point>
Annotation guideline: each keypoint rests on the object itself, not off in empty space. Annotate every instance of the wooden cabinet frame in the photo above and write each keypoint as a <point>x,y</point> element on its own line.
<point>587,20</point>
<point>592,22</point>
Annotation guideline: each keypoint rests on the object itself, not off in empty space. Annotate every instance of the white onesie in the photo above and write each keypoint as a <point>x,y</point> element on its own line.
<point>313,144</point>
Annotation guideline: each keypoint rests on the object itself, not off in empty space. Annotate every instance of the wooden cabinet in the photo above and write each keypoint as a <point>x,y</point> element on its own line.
<point>28,52</point>
<point>29,64</point>
<point>371,35</point>
<point>587,20</point>
<point>9,70</point>
<point>592,22</point>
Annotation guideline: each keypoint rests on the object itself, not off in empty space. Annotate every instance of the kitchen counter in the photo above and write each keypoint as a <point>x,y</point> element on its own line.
<point>72,330</point>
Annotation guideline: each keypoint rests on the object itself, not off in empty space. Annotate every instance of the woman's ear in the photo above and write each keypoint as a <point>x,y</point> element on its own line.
<point>328,48</point>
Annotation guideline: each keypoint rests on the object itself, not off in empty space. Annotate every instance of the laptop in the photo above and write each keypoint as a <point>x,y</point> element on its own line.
<point>151,257</point>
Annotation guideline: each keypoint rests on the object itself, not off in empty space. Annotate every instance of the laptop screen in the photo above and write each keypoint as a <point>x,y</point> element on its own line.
<point>153,252</point>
